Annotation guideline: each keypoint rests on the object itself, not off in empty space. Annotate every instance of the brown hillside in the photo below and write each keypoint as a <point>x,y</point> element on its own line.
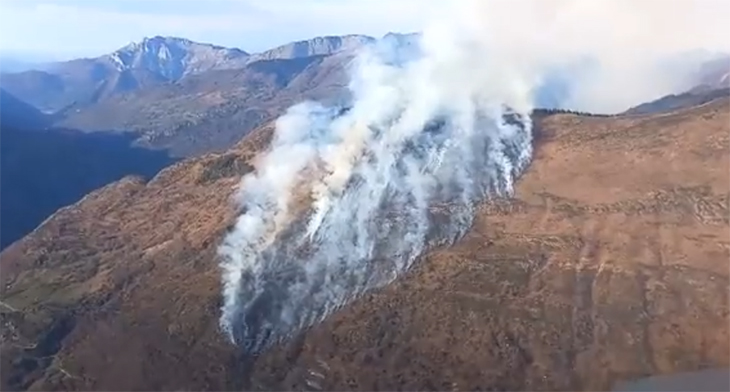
<point>611,263</point>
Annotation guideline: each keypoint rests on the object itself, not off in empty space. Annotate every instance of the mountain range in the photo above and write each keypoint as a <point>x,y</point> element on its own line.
<point>152,61</point>
<point>608,264</point>
<point>180,98</point>
<point>144,106</point>
<point>190,98</point>
<point>172,92</point>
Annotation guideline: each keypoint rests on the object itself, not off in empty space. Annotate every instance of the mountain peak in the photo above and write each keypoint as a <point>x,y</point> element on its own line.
<point>173,57</point>
<point>159,40</point>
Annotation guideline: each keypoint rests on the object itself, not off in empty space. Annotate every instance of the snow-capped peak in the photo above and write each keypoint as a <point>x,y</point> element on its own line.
<point>172,57</point>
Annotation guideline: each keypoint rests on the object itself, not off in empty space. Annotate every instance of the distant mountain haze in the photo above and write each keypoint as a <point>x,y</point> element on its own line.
<point>10,64</point>
<point>715,74</point>
<point>712,82</point>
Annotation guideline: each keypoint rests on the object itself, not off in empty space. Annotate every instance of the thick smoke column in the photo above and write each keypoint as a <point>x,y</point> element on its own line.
<point>346,200</point>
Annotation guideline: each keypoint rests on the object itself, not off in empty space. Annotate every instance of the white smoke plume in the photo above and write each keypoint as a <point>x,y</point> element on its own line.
<point>346,199</point>
<point>614,53</point>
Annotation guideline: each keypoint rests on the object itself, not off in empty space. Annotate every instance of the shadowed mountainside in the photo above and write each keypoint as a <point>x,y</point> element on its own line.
<point>16,113</point>
<point>43,170</point>
<point>609,264</point>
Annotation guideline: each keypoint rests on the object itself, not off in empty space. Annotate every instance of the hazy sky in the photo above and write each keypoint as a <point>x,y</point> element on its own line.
<point>69,28</point>
<point>93,27</point>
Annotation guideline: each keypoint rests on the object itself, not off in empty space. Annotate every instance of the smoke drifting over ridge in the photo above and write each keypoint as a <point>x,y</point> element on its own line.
<point>346,200</point>
<point>614,53</point>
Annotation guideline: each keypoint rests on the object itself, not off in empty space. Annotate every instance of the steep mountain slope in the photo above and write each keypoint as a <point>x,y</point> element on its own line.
<point>150,62</point>
<point>213,110</point>
<point>609,264</point>
<point>43,170</point>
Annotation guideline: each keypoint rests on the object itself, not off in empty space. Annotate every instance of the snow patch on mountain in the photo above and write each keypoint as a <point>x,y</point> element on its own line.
<point>172,58</point>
